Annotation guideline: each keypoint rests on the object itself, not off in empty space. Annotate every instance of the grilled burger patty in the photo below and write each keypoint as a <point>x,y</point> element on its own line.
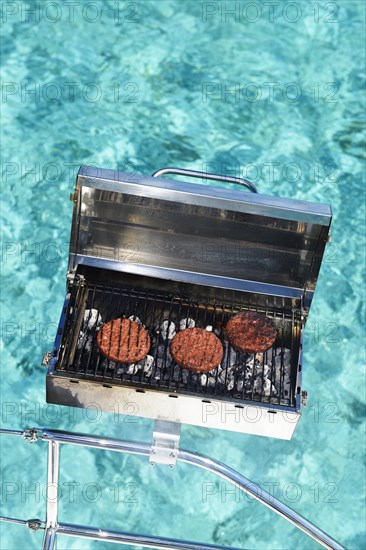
<point>123,341</point>
<point>251,332</point>
<point>196,349</point>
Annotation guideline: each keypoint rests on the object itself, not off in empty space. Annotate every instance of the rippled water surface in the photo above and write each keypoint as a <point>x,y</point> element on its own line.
<point>273,96</point>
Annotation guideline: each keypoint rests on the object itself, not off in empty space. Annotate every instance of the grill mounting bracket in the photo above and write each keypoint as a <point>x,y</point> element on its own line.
<point>165,443</point>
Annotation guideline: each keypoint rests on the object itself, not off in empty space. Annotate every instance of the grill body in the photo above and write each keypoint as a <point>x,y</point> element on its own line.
<point>170,254</point>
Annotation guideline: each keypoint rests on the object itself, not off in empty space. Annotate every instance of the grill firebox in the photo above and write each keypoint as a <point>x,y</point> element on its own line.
<point>173,255</point>
<point>240,376</point>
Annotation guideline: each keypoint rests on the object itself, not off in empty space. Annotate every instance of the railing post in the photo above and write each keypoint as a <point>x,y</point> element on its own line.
<point>49,541</point>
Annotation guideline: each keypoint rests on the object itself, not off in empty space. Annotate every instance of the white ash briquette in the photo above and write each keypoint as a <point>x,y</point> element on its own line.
<point>163,357</point>
<point>92,320</point>
<point>167,330</point>
<point>147,365</point>
<point>130,368</point>
<point>85,342</point>
<point>136,319</point>
<point>187,323</point>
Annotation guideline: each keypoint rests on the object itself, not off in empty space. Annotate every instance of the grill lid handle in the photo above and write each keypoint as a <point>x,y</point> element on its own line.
<point>206,175</point>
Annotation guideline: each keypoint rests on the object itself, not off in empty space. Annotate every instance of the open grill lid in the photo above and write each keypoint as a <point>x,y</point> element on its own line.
<point>198,234</point>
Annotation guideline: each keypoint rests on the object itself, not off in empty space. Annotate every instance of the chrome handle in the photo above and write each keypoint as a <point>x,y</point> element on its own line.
<point>206,175</point>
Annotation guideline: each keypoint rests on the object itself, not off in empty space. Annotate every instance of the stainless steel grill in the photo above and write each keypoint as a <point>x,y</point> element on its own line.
<point>168,253</point>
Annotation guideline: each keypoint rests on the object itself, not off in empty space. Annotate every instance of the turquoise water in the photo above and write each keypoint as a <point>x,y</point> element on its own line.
<point>140,88</point>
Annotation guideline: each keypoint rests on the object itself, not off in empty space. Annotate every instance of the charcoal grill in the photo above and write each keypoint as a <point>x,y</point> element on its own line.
<point>172,254</point>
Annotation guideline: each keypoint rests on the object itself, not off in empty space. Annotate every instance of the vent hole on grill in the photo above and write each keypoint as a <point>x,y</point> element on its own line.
<point>298,389</point>
<point>74,381</point>
<point>300,368</point>
<point>272,412</point>
<point>106,386</point>
<point>175,396</point>
<point>140,391</point>
<point>206,401</point>
<point>239,407</point>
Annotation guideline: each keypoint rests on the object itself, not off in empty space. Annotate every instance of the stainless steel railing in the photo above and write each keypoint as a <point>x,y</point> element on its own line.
<point>53,528</point>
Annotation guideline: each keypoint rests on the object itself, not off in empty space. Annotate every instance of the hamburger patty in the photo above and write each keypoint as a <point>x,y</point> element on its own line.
<point>251,332</point>
<point>123,341</point>
<point>196,349</point>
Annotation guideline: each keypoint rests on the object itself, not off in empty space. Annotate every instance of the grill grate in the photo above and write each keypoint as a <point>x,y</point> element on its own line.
<point>267,377</point>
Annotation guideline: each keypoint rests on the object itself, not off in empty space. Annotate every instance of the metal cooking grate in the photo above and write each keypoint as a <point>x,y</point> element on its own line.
<point>269,377</point>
